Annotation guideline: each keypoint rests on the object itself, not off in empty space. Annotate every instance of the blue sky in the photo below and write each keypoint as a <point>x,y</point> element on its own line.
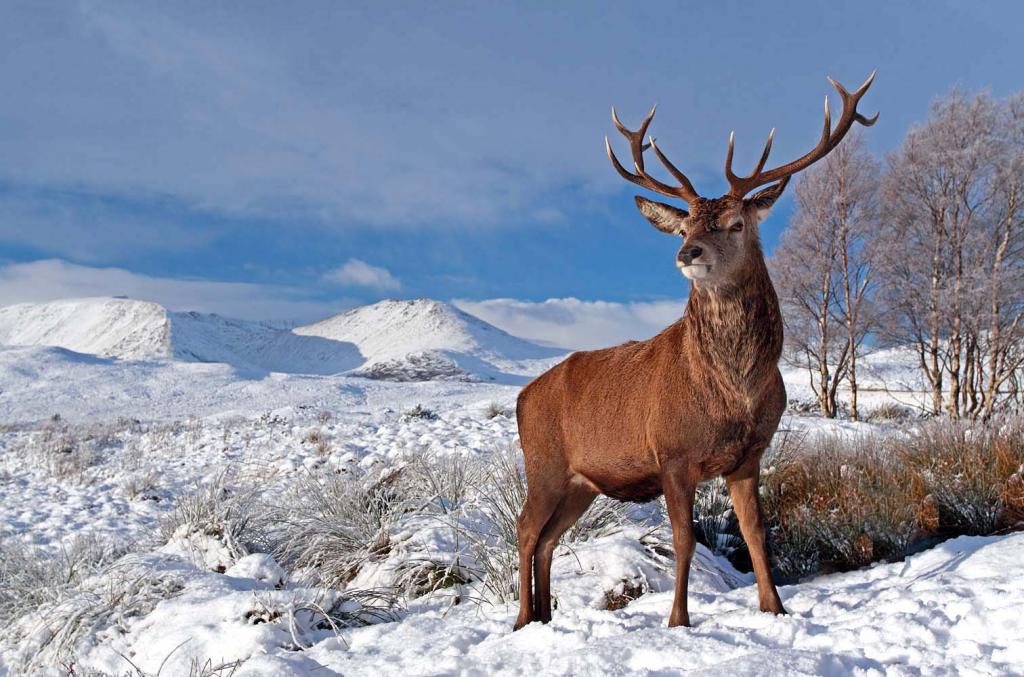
<point>236,157</point>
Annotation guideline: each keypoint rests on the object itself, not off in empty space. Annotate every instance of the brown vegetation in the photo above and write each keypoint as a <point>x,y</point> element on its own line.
<point>842,504</point>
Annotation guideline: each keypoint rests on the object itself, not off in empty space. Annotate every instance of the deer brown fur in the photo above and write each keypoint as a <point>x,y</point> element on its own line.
<point>701,399</point>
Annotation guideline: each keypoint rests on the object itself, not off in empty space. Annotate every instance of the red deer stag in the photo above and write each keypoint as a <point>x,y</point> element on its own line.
<point>703,398</point>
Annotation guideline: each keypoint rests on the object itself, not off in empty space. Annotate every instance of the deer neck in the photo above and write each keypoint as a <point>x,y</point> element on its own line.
<point>736,330</point>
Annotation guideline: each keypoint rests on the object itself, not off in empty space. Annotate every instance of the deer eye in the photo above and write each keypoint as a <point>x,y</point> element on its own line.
<point>736,227</point>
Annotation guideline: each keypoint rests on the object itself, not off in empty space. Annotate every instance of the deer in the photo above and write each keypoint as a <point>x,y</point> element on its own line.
<point>702,399</point>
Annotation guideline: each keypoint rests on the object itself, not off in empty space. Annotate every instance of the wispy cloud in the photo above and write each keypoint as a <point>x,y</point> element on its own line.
<point>356,273</point>
<point>152,100</point>
<point>575,324</point>
<point>52,279</point>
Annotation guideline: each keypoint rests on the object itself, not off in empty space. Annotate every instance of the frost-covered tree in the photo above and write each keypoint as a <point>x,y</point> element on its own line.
<point>823,274</point>
<point>948,255</point>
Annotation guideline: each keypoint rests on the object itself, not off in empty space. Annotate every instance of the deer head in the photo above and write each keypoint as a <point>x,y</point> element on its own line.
<point>720,234</point>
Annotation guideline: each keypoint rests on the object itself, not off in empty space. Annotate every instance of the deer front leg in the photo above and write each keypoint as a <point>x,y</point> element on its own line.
<point>743,483</point>
<point>679,491</point>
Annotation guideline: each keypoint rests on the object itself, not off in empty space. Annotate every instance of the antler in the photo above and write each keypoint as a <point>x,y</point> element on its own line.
<point>830,138</point>
<point>637,147</point>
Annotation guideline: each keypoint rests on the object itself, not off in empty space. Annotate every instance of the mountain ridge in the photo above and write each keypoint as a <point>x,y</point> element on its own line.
<point>416,340</point>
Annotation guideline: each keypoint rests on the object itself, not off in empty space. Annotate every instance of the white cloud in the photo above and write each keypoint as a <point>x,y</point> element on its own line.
<point>356,273</point>
<point>571,323</point>
<point>52,279</point>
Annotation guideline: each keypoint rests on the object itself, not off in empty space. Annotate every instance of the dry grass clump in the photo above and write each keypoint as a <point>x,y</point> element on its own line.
<point>30,578</point>
<point>444,480</point>
<point>61,452</point>
<point>891,412</point>
<point>141,485</point>
<point>52,603</point>
<point>308,616</point>
<point>224,510</point>
<point>622,594</point>
<point>714,520</point>
<point>844,503</point>
<point>420,412</point>
<point>491,533</point>
<point>496,409</point>
<point>320,441</point>
<point>330,525</point>
<point>490,530</point>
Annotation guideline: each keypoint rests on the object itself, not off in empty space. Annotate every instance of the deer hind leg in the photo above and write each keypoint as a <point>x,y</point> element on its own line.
<point>540,504</point>
<point>574,503</point>
<point>743,483</point>
<point>679,491</point>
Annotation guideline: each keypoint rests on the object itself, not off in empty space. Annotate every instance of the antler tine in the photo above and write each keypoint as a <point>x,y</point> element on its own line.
<point>760,163</point>
<point>680,177</point>
<point>830,138</point>
<point>637,147</point>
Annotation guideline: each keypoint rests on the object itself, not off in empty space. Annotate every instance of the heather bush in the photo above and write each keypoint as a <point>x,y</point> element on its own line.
<point>840,503</point>
<point>972,474</point>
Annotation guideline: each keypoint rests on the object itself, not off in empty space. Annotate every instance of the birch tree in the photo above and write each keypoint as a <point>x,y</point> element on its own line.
<point>823,272</point>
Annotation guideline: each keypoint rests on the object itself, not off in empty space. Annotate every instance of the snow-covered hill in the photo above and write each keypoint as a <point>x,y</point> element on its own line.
<point>128,329</point>
<point>426,339</point>
<point>393,340</point>
<point>109,327</point>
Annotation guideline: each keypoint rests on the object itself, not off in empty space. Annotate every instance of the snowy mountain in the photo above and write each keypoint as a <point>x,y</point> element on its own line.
<point>128,329</point>
<point>392,340</point>
<point>109,327</point>
<point>426,339</point>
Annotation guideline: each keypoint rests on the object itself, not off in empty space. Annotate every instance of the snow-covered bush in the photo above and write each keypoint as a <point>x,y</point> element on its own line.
<point>52,603</point>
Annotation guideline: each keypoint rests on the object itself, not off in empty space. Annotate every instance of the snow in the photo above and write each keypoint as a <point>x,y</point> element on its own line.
<point>389,332</point>
<point>952,610</point>
<point>108,327</point>
<point>395,340</point>
<point>148,420</point>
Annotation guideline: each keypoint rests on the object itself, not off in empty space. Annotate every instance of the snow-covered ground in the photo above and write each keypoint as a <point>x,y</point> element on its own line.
<point>952,610</point>
<point>144,419</point>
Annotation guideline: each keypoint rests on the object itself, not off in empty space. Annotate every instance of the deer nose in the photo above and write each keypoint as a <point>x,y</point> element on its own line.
<point>688,254</point>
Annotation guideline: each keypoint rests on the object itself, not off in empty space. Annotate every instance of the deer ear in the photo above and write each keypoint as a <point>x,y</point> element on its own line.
<point>666,218</point>
<point>763,200</point>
